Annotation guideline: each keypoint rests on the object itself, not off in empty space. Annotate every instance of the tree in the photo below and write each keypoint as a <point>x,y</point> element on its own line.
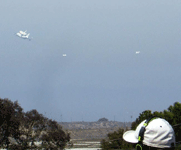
<point>174,117</point>
<point>10,116</point>
<point>35,127</point>
<point>144,115</point>
<point>115,141</point>
<point>103,120</point>
<point>31,127</point>
<point>24,130</point>
<point>54,137</point>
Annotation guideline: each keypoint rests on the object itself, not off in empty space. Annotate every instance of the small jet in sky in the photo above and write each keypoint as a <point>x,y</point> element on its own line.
<point>64,55</point>
<point>137,52</point>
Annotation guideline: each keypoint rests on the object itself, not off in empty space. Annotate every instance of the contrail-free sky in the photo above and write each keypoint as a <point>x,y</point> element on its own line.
<point>101,75</point>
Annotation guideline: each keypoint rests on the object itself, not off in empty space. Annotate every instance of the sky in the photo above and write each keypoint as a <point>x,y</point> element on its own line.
<point>101,75</point>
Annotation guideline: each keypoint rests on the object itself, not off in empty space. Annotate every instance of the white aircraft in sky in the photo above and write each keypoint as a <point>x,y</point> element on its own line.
<point>64,55</point>
<point>137,52</point>
<point>23,34</point>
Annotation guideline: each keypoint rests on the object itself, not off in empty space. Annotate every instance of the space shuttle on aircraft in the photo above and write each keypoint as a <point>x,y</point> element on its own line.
<point>23,34</point>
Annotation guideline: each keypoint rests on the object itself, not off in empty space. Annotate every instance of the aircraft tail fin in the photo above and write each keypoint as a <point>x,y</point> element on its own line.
<point>27,35</point>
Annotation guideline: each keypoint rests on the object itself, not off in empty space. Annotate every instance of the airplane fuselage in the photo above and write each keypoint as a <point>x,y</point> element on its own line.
<point>25,37</point>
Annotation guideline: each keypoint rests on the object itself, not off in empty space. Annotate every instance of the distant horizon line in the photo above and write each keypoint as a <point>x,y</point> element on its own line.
<point>94,121</point>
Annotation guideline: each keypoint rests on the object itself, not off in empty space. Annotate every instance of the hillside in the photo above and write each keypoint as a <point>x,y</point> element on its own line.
<point>93,130</point>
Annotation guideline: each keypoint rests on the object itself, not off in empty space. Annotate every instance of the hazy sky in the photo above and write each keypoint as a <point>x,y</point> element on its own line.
<point>101,76</point>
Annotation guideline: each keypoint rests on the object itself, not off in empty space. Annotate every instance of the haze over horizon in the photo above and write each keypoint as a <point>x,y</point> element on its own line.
<point>101,75</point>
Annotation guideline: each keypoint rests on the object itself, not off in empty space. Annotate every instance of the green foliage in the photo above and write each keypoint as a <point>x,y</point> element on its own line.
<point>172,115</point>
<point>31,127</point>
<point>102,120</point>
<point>19,130</point>
<point>54,137</point>
<point>144,115</point>
<point>10,116</point>
<point>176,119</point>
<point>115,141</point>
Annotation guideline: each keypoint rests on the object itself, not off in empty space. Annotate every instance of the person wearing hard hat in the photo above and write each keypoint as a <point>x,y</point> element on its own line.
<point>153,133</point>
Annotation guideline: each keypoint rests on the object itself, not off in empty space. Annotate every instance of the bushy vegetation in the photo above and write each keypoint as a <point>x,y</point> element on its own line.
<point>115,141</point>
<point>23,130</point>
<point>172,115</point>
<point>103,120</point>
